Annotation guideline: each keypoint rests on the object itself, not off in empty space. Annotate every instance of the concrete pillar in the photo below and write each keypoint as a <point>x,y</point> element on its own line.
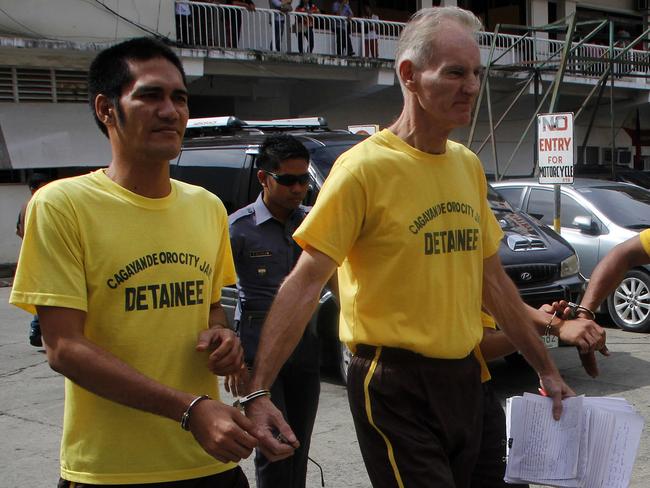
<point>538,16</point>
<point>449,3</point>
<point>424,4</point>
<point>569,7</point>
<point>538,12</point>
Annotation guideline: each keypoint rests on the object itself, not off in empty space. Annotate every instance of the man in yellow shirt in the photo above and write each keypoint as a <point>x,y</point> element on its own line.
<point>404,216</point>
<point>125,267</point>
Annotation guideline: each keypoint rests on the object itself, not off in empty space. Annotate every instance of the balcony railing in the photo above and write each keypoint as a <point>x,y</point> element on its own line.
<point>587,60</point>
<point>229,27</point>
<point>206,25</point>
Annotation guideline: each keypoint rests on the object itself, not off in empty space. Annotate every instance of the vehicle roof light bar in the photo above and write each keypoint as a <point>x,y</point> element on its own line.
<point>206,122</point>
<point>208,125</point>
<point>306,122</point>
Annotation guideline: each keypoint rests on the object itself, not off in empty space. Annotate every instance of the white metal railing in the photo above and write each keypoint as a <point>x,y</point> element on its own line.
<point>229,27</point>
<point>587,60</point>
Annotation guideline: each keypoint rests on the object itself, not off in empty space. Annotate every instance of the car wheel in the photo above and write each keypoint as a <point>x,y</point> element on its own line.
<point>629,305</point>
<point>345,356</point>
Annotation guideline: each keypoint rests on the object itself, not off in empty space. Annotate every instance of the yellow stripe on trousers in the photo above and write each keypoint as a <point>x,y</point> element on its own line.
<point>366,392</point>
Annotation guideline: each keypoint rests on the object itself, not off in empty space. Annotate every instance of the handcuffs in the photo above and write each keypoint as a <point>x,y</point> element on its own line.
<point>575,310</point>
<point>240,402</point>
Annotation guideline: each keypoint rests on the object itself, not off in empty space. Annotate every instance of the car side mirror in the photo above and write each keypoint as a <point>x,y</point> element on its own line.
<point>586,225</point>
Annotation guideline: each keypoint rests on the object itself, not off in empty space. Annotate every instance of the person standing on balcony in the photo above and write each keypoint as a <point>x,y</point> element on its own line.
<point>305,24</point>
<point>622,41</point>
<point>125,267</point>
<point>279,21</point>
<point>371,41</point>
<point>234,20</point>
<point>264,254</point>
<point>184,23</point>
<point>404,217</point>
<point>341,27</point>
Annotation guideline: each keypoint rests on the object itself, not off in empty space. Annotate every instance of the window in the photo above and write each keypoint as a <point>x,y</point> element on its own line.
<point>23,84</point>
<point>541,204</point>
<point>215,169</point>
<point>572,209</point>
<point>626,205</point>
<point>216,156</point>
<point>512,194</point>
<point>325,156</point>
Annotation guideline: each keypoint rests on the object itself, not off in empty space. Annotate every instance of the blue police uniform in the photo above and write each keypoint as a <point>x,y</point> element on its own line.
<point>264,253</point>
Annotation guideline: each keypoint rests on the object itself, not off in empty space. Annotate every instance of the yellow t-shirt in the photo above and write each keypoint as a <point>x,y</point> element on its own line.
<point>410,231</point>
<point>145,271</point>
<point>645,240</point>
<point>487,322</point>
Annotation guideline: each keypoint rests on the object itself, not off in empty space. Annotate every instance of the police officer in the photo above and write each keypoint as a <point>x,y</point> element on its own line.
<point>264,254</point>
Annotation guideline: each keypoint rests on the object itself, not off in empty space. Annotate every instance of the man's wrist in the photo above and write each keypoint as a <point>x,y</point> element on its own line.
<point>219,325</point>
<point>187,414</point>
<point>585,313</point>
<point>582,310</point>
<point>245,400</point>
<point>553,326</point>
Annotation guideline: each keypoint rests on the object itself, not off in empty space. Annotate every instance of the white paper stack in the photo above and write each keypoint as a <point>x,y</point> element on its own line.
<point>593,445</point>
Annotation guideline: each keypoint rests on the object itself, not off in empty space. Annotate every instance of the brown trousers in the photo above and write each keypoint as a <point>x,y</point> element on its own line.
<point>418,420</point>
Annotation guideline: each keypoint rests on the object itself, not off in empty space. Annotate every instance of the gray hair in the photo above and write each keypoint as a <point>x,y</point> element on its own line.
<point>415,42</point>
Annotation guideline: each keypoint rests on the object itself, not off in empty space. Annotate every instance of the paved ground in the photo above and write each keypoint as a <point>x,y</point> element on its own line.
<point>32,398</point>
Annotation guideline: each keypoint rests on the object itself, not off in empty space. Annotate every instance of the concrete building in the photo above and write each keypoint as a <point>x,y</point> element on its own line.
<point>259,64</point>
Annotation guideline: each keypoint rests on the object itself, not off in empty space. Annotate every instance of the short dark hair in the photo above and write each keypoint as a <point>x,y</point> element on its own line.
<point>278,148</point>
<point>36,180</point>
<point>109,72</point>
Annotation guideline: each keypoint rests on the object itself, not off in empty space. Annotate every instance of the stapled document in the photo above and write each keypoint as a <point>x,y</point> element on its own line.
<point>594,444</point>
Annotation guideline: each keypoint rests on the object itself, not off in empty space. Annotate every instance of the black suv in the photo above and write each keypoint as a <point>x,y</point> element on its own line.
<point>542,264</point>
<point>219,154</point>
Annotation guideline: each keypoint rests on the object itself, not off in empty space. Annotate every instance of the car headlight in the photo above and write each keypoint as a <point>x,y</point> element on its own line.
<point>570,266</point>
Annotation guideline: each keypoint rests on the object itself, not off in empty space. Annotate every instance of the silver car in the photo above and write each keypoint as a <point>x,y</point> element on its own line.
<point>596,216</point>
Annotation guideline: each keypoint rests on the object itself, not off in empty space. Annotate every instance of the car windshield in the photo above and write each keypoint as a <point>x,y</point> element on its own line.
<point>324,156</point>
<point>497,202</point>
<point>627,206</point>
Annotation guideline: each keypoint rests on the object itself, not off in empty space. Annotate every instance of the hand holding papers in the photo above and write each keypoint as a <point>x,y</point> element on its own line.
<point>594,444</point>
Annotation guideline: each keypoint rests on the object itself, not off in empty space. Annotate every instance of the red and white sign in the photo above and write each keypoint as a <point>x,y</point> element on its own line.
<point>555,148</point>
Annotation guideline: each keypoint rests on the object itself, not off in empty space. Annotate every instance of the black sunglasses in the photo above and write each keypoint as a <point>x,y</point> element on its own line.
<point>289,180</point>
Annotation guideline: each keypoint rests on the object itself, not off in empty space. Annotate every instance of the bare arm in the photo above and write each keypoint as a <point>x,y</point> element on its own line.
<point>218,317</point>
<point>221,430</point>
<point>291,310</point>
<point>502,300</point>
<point>495,344</point>
<point>582,333</point>
<point>612,269</point>
<point>226,356</point>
